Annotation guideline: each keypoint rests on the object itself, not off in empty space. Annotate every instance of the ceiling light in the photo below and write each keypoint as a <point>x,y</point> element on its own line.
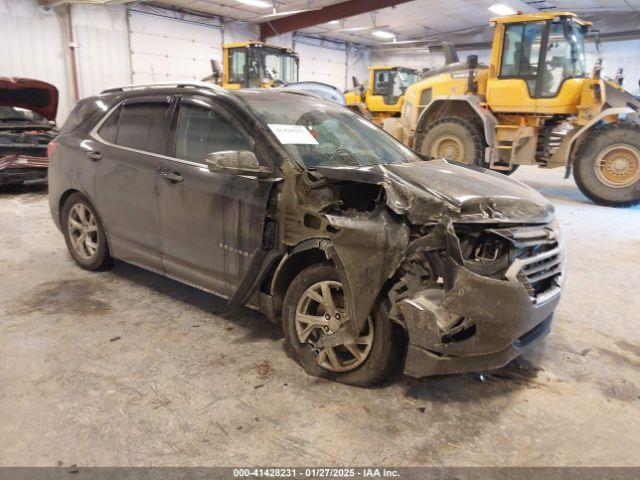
<point>256,3</point>
<point>354,29</point>
<point>288,12</point>
<point>334,22</point>
<point>383,34</point>
<point>501,9</point>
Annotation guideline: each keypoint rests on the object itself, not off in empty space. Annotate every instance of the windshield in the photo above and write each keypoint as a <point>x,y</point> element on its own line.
<point>407,77</point>
<point>318,133</point>
<point>17,114</point>
<point>271,64</point>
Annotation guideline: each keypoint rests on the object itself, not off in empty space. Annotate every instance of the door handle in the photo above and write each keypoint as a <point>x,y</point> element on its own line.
<point>93,155</point>
<point>172,176</point>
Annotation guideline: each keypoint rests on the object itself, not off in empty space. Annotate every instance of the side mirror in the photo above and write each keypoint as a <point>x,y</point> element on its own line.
<point>237,162</point>
<point>472,62</point>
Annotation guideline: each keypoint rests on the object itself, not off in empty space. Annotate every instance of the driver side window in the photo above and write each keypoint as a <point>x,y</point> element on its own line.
<point>521,50</point>
<point>201,131</point>
<point>237,65</point>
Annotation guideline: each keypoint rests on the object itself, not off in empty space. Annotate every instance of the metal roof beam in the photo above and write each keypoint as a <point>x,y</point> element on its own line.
<point>337,11</point>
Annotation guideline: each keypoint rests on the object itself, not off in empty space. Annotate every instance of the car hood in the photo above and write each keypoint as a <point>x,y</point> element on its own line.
<point>34,95</point>
<point>428,190</point>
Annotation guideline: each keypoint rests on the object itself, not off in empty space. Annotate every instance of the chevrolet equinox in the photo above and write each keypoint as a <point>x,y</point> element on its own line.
<point>369,255</point>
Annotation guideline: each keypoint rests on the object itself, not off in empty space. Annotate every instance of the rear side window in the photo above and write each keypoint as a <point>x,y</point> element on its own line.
<point>138,125</point>
<point>81,113</point>
<point>109,129</point>
<point>202,131</point>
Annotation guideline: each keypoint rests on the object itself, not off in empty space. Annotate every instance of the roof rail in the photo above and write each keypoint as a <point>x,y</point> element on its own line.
<point>210,86</point>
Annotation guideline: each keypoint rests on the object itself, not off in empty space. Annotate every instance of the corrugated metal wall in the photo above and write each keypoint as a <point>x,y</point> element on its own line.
<point>621,54</point>
<point>103,48</point>
<point>32,44</point>
<point>322,61</point>
<point>164,48</point>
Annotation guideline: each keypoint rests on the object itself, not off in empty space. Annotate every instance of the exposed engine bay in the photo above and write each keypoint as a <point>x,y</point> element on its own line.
<point>27,125</point>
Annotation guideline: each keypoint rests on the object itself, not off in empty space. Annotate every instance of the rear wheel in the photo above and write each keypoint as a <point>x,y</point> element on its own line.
<point>84,234</point>
<point>607,165</point>
<point>314,319</point>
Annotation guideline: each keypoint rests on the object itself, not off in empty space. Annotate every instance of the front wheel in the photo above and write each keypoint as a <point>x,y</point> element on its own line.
<point>314,319</point>
<point>607,165</point>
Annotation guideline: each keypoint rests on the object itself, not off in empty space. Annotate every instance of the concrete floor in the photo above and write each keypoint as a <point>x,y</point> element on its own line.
<point>129,368</point>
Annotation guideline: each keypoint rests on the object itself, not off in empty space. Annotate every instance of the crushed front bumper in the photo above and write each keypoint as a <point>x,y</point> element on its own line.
<point>493,322</point>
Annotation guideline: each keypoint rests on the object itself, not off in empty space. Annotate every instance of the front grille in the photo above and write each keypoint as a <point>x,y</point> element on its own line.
<point>538,259</point>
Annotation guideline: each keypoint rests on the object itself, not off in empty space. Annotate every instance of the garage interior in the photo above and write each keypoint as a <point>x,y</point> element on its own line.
<point>129,368</point>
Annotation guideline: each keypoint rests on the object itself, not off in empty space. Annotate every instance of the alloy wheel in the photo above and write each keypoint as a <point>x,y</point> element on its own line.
<point>83,231</point>
<point>320,316</point>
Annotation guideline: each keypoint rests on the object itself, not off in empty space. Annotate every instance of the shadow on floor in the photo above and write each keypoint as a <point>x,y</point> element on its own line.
<point>567,191</point>
<point>255,324</point>
<point>518,374</point>
<point>32,192</point>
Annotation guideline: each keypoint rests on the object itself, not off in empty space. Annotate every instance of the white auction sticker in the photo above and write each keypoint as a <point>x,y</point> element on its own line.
<point>292,134</point>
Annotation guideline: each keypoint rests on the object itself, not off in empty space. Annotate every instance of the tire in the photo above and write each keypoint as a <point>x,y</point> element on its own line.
<point>92,253</point>
<point>380,357</point>
<point>455,138</point>
<point>595,170</point>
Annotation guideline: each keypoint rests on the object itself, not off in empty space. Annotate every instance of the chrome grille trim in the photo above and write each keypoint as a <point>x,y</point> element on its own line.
<point>548,264</point>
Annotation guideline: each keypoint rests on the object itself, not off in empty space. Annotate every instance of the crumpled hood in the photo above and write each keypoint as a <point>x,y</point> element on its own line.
<point>428,190</point>
<point>34,95</point>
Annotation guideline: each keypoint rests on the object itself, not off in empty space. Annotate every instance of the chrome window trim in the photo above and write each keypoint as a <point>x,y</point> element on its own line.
<point>94,134</point>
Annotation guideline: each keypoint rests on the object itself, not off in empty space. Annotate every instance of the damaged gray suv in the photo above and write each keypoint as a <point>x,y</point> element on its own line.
<point>370,256</point>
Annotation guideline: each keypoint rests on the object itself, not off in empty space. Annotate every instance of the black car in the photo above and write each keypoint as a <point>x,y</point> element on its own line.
<point>371,256</point>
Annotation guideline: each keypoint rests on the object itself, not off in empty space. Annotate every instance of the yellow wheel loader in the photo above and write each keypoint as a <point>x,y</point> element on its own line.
<point>384,94</point>
<point>259,65</point>
<point>255,65</point>
<point>534,104</point>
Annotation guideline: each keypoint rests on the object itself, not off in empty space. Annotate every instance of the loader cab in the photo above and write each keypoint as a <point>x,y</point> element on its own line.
<point>387,85</point>
<point>258,65</point>
<point>537,64</point>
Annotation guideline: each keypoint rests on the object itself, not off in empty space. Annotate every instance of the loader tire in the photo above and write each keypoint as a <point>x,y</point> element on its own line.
<point>454,138</point>
<point>607,165</point>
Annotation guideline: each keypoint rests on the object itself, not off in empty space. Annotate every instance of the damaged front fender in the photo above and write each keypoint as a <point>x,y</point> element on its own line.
<point>367,249</point>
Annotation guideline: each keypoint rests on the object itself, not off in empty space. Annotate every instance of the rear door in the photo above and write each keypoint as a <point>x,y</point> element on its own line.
<point>212,223</point>
<point>129,148</point>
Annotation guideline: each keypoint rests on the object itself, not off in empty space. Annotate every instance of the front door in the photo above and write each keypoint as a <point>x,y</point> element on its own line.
<point>212,223</point>
<point>128,151</point>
